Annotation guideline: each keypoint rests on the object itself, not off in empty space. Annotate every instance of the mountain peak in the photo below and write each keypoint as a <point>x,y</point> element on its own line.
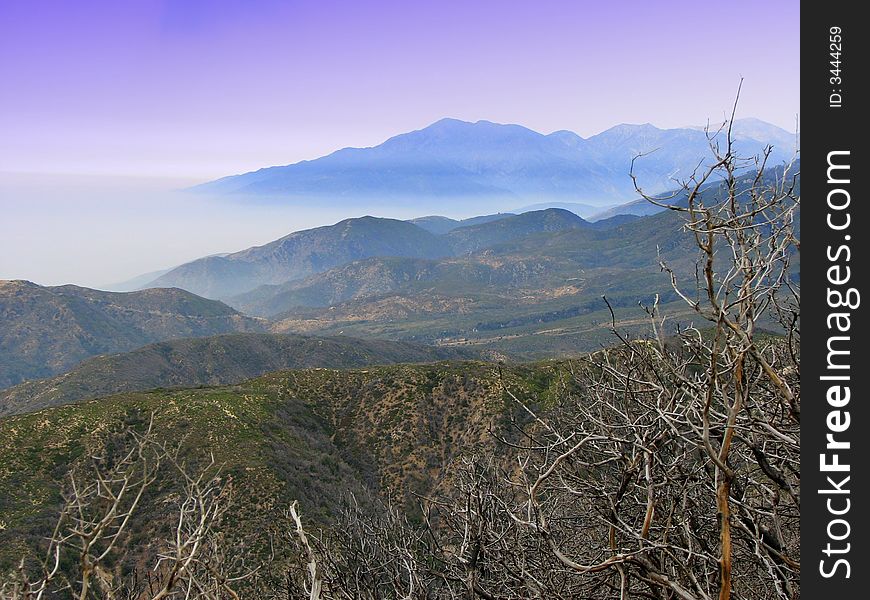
<point>17,283</point>
<point>625,130</point>
<point>569,138</point>
<point>449,122</point>
<point>480,129</point>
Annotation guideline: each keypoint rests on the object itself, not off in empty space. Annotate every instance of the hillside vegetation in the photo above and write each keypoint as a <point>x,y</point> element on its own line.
<point>310,435</point>
<point>46,330</point>
<point>216,360</point>
<point>312,251</point>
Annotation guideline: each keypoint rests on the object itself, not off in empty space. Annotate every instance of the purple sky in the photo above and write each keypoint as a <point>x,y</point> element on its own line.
<point>196,89</point>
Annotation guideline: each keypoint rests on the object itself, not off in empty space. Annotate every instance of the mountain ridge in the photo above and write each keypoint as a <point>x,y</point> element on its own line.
<point>216,360</point>
<point>311,251</point>
<point>453,159</point>
<point>46,330</point>
<point>302,253</point>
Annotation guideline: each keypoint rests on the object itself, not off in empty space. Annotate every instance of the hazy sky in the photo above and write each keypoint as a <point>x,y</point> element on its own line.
<point>178,91</point>
<point>204,88</point>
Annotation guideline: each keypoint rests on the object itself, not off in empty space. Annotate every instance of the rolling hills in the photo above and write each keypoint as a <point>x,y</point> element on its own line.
<point>508,283</point>
<point>216,360</point>
<point>474,237</point>
<point>302,253</point>
<point>440,225</point>
<point>533,296</point>
<point>46,330</point>
<point>316,250</point>
<point>526,286</point>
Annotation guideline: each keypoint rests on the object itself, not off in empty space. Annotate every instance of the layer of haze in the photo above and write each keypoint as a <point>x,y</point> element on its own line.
<point>99,231</point>
<point>128,100</point>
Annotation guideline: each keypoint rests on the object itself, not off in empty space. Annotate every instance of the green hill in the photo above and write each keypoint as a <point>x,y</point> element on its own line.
<point>301,254</point>
<point>305,253</point>
<point>217,360</point>
<point>310,435</point>
<point>534,293</point>
<point>47,330</point>
<point>472,238</point>
<point>524,258</point>
<point>440,225</point>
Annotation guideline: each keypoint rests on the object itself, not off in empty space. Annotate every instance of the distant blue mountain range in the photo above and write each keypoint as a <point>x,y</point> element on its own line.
<point>457,161</point>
